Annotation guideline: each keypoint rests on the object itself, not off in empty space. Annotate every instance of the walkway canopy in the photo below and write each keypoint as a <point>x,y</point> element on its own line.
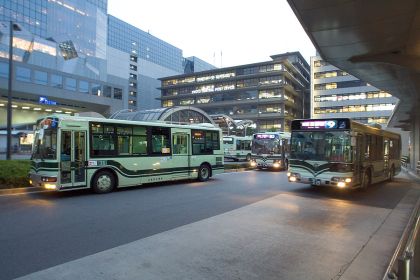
<point>230,126</point>
<point>178,115</point>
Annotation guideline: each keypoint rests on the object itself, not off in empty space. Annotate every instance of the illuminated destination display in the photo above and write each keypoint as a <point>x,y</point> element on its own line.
<point>321,124</point>
<point>265,136</point>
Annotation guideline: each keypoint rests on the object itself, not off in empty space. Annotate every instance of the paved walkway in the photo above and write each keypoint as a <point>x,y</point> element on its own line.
<point>283,237</point>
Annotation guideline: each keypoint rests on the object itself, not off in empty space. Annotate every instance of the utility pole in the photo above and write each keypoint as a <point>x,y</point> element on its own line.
<point>9,96</point>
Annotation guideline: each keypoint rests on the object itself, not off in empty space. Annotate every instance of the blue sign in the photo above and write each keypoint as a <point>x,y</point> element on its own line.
<point>44,100</point>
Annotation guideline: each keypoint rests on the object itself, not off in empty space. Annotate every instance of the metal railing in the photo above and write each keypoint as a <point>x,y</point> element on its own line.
<point>405,260</point>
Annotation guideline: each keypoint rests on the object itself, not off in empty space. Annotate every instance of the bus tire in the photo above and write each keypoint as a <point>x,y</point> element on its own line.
<point>204,172</point>
<point>365,181</point>
<point>391,174</point>
<point>103,182</point>
<point>248,157</point>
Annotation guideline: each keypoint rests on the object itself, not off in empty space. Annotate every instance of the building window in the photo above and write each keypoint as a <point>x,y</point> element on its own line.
<point>133,67</point>
<point>70,84</point>
<point>23,74</point>
<point>133,58</point>
<point>117,93</point>
<point>96,90</point>
<point>133,76</point>
<point>107,91</point>
<point>4,70</point>
<point>56,81</point>
<point>132,102</point>
<point>84,86</point>
<point>168,103</point>
<point>133,93</point>
<point>40,77</point>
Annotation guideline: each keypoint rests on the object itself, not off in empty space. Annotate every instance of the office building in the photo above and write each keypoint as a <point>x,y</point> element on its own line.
<point>270,93</point>
<point>336,94</point>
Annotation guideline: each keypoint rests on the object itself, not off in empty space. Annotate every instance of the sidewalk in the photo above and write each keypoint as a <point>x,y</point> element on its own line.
<point>283,237</point>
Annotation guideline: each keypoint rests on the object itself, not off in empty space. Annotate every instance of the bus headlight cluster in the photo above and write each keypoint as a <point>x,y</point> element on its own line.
<point>293,177</point>
<point>341,181</point>
<point>276,164</point>
<point>253,163</point>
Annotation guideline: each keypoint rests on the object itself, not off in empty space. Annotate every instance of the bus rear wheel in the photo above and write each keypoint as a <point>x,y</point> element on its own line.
<point>365,181</point>
<point>204,173</point>
<point>103,182</point>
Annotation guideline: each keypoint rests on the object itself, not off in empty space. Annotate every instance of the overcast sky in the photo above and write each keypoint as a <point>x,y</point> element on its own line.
<point>222,32</point>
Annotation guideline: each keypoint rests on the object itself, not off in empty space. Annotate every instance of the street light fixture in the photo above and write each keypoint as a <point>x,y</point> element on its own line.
<point>12,27</point>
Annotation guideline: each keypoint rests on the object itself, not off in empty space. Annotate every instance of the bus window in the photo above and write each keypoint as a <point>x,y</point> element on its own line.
<point>161,141</point>
<point>140,140</point>
<point>103,140</point>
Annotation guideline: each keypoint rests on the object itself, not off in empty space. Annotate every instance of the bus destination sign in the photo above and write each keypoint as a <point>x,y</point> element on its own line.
<point>323,124</point>
<point>265,136</point>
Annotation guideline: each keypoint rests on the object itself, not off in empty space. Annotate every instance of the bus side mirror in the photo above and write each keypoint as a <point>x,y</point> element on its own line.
<point>353,141</point>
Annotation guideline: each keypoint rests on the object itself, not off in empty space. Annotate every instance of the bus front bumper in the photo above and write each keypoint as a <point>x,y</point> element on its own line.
<point>344,182</point>
<point>42,181</point>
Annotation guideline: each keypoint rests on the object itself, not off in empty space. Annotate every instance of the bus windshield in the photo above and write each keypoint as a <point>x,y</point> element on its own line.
<point>332,146</point>
<point>266,146</point>
<point>45,144</point>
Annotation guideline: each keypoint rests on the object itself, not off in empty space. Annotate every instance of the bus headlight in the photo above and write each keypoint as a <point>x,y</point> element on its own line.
<point>276,165</point>
<point>253,163</point>
<point>48,179</point>
<point>49,186</point>
<point>288,174</point>
<point>341,184</point>
<point>347,180</point>
<point>293,177</point>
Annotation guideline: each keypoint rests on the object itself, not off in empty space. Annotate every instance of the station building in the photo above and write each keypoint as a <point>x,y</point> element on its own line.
<point>71,56</point>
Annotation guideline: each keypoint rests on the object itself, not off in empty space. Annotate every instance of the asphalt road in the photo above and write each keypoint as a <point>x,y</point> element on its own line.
<point>41,230</point>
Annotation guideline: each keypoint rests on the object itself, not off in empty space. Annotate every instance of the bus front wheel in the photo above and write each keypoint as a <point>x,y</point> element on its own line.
<point>103,182</point>
<point>248,157</point>
<point>204,173</point>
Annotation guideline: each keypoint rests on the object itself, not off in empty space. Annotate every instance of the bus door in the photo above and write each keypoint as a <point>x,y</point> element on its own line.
<point>359,158</point>
<point>72,158</point>
<point>181,153</point>
<point>386,156</point>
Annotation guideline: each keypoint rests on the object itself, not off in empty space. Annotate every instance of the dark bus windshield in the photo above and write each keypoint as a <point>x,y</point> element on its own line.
<point>334,146</point>
<point>266,146</point>
<point>45,144</point>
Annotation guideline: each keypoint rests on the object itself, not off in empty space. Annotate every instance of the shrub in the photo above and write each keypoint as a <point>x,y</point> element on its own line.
<point>14,173</point>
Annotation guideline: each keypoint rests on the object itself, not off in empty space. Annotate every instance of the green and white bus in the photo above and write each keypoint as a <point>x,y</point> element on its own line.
<point>342,153</point>
<point>270,150</point>
<point>237,147</point>
<point>78,152</point>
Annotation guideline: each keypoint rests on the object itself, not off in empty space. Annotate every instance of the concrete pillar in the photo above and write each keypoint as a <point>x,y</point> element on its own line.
<point>415,142</point>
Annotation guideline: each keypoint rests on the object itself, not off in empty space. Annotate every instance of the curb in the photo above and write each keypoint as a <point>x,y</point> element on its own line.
<point>13,191</point>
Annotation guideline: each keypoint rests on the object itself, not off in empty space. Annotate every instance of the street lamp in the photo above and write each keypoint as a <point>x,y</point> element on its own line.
<point>12,27</point>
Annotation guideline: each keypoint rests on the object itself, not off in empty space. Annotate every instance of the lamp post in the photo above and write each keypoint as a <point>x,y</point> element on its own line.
<point>9,96</point>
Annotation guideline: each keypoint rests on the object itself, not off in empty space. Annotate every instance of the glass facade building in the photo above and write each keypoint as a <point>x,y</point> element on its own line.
<point>72,53</point>
<point>336,94</point>
<point>269,93</point>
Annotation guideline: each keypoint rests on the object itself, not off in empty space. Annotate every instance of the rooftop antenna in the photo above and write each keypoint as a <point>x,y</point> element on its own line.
<point>214,58</point>
<point>221,59</point>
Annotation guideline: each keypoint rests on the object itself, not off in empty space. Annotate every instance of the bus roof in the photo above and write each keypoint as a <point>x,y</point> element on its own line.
<point>64,117</point>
